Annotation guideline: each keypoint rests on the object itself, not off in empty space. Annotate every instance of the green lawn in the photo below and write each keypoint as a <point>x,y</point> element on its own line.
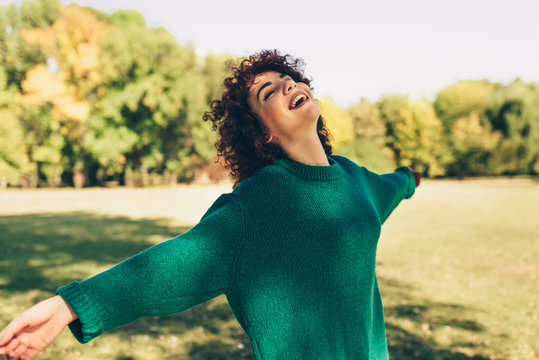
<point>457,266</point>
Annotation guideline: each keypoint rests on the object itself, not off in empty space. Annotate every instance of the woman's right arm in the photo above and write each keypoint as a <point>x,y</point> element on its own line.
<point>36,328</point>
<point>164,279</point>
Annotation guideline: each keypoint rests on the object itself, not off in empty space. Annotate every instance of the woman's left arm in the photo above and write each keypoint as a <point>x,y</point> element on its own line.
<point>390,189</point>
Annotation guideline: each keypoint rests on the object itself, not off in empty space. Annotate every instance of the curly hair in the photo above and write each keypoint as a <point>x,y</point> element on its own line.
<point>243,140</point>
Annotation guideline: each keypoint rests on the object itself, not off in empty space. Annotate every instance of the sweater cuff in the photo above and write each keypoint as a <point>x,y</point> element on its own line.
<point>88,324</point>
<point>410,187</point>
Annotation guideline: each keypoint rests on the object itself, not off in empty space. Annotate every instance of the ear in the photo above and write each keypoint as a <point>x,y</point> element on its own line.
<point>270,137</point>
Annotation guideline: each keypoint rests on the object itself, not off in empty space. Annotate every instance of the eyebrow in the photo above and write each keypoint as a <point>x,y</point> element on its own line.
<point>268,84</point>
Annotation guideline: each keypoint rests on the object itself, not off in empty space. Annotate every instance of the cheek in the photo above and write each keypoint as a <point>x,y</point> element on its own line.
<point>267,121</point>
<point>315,109</point>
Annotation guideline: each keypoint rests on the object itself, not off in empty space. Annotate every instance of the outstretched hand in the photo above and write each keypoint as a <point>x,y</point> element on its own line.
<point>34,329</point>
<point>417,176</point>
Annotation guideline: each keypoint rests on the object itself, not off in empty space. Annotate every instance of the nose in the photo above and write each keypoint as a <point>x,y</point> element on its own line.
<point>289,84</point>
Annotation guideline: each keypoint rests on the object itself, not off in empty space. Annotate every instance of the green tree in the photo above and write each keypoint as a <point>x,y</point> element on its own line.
<point>472,145</point>
<point>73,42</point>
<point>152,98</point>
<point>513,110</point>
<point>14,160</point>
<point>461,99</point>
<point>389,107</point>
<point>17,58</point>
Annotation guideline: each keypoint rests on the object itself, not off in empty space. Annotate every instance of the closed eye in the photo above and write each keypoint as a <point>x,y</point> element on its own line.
<point>268,94</point>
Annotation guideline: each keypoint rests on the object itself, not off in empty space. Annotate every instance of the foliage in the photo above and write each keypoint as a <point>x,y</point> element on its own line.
<point>13,158</point>
<point>513,111</point>
<point>338,120</point>
<point>472,146</point>
<point>105,95</point>
<point>414,133</point>
<point>462,98</point>
<point>106,98</point>
<point>371,130</point>
<point>368,123</point>
<point>365,152</point>
<point>16,56</point>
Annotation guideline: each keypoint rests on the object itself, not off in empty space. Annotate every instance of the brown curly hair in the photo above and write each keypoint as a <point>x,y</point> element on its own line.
<point>243,140</point>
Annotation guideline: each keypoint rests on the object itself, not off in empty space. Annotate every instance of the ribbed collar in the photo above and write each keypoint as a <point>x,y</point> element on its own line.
<point>321,173</point>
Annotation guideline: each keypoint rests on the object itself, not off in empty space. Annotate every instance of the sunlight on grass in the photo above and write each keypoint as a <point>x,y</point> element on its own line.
<point>457,267</point>
<point>468,252</point>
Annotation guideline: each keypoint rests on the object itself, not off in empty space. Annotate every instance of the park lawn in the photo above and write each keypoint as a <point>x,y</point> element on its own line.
<point>457,267</point>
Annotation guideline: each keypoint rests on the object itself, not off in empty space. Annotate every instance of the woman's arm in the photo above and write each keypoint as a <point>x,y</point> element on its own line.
<point>36,328</point>
<point>164,279</point>
<point>390,189</point>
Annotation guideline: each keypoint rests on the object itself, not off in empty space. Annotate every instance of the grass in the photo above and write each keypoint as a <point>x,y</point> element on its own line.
<point>457,267</point>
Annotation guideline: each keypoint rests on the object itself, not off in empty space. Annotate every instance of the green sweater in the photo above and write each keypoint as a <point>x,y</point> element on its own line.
<point>293,248</point>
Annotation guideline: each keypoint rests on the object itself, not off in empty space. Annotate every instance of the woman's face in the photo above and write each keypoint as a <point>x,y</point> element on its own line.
<point>285,107</point>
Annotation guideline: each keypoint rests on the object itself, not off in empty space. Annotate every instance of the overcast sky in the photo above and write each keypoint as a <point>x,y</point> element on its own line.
<point>363,48</point>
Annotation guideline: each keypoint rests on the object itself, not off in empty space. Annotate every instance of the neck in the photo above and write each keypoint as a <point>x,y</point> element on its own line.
<point>307,150</point>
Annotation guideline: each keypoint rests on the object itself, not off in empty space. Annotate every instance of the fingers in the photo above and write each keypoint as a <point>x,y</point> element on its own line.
<point>13,327</point>
<point>10,345</point>
<point>19,350</point>
<point>16,350</point>
<point>3,339</point>
<point>29,354</point>
<point>9,349</point>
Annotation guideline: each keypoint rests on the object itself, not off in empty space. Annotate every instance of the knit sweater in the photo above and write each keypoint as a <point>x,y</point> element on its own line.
<point>293,247</point>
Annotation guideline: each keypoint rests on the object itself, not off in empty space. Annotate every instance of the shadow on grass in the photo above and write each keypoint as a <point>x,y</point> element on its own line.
<point>424,317</point>
<point>45,251</point>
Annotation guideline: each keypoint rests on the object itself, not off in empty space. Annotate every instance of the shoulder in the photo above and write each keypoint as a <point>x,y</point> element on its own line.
<point>343,161</point>
<point>349,166</point>
<point>226,204</point>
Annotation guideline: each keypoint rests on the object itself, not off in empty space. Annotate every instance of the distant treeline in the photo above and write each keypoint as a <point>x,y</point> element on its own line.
<point>88,98</point>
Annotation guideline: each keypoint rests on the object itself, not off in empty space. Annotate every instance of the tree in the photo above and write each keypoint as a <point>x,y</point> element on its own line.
<point>461,99</point>
<point>513,110</point>
<point>473,146</point>
<point>389,109</point>
<point>73,44</point>
<point>366,153</point>
<point>338,120</point>
<point>415,134</point>
<point>14,160</point>
<point>17,58</point>
<point>152,97</point>
<point>368,123</point>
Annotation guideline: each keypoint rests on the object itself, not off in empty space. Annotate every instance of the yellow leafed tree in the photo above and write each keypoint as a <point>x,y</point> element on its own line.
<point>419,135</point>
<point>338,120</point>
<point>73,43</point>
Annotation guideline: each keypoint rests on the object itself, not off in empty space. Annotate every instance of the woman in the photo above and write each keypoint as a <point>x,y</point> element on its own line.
<point>293,245</point>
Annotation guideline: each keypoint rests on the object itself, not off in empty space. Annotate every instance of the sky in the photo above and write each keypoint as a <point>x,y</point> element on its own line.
<point>357,48</point>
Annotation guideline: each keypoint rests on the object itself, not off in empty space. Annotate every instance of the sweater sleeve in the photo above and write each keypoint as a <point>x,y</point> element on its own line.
<point>164,279</point>
<point>390,189</point>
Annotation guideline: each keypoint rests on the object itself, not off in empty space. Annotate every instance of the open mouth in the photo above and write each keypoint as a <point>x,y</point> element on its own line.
<point>299,100</point>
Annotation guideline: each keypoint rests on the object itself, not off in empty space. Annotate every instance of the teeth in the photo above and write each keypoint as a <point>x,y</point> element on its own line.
<point>297,99</point>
